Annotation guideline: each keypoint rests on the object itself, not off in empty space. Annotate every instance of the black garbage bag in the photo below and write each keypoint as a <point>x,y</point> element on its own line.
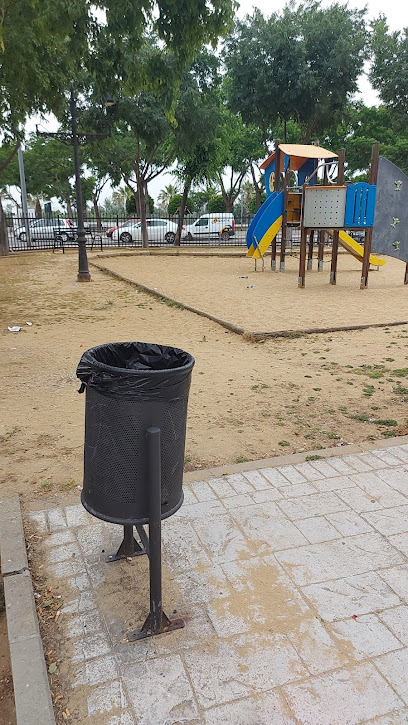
<point>130,387</point>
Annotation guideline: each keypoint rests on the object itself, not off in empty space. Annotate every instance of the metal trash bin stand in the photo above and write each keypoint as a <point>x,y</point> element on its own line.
<point>135,426</point>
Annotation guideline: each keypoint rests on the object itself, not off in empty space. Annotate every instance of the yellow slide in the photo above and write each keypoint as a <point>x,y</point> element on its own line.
<point>356,249</point>
<point>256,252</point>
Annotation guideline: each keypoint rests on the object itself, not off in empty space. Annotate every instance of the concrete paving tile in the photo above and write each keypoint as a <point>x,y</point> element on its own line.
<point>83,624</point>
<point>345,697</point>
<point>199,510</point>
<point>365,636</point>
<point>78,516</point>
<point>387,457</point>
<point>200,586</point>
<point>372,460</point>
<point>356,463</point>
<point>97,573</point>
<point>242,666</point>
<point>95,645</point>
<point>397,621</point>
<point>394,667</point>
<point>315,646</point>
<point>348,523</point>
<point>125,718</point>
<point>256,479</point>
<point>310,473</point>
<point>389,521</point>
<point>397,579</point>
<point>97,540</point>
<point>67,569</point>
<point>80,582</point>
<point>222,538</point>
<point>324,468</point>
<point>340,465</point>
<point>83,603</point>
<point>400,541</point>
<point>189,497</point>
<point>297,489</point>
<point>198,631</point>
<point>56,519</point>
<point>306,506</point>
<point>396,478</point>
<point>292,474</point>
<point>202,491</point>
<point>274,476</point>
<point>361,501</point>
<point>377,489</point>
<point>64,553</point>
<point>182,548</point>
<point>266,523</point>
<point>267,709</point>
<point>39,519</point>
<point>60,538</point>
<point>221,487</point>
<point>355,595</point>
<point>160,692</point>
<point>334,483</point>
<point>240,499</point>
<point>260,597</point>
<point>106,698</point>
<point>270,494</point>
<point>317,529</point>
<point>395,718</point>
<point>239,483</point>
<point>399,452</point>
<point>94,672</point>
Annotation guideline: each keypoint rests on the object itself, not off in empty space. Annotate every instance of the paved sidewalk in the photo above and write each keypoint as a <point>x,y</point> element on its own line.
<point>293,581</point>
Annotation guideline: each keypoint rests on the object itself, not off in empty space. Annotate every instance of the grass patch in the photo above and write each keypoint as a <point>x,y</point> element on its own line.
<point>314,457</point>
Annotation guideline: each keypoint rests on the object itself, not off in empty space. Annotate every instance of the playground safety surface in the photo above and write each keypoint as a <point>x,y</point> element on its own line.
<point>291,575</point>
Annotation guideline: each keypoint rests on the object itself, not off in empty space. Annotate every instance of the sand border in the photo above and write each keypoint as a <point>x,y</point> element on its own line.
<point>249,335</point>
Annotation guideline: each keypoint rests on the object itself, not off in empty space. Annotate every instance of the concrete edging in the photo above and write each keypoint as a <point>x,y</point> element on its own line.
<point>32,693</point>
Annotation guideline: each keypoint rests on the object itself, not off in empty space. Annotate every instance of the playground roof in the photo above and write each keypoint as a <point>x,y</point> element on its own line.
<point>300,151</point>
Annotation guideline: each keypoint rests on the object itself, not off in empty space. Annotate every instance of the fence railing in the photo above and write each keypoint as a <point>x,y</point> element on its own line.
<point>25,234</point>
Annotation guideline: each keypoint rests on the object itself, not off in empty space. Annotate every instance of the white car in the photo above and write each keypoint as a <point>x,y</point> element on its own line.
<point>211,226</point>
<point>47,228</point>
<point>157,230</point>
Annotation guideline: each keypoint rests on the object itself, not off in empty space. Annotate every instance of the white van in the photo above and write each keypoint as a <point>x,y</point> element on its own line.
<point>210,226</point>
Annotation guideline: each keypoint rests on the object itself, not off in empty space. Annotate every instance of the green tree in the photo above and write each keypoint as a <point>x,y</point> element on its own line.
<point>217,204</point>
<point>389,69</point>
<point>173,207</point>
<point>165,195</point>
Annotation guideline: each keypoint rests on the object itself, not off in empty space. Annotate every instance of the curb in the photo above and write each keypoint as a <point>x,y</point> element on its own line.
<point>247,335</point>
<point>32,694</point>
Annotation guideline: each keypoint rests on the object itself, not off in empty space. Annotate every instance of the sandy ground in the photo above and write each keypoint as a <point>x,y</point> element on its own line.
<point>266,301</point>
<point>247,400</point>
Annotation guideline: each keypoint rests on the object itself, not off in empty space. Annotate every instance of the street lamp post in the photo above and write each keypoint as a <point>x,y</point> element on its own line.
<point>83,269</point>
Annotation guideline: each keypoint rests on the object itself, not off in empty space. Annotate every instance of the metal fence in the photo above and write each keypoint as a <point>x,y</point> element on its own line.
<point>58,231</point>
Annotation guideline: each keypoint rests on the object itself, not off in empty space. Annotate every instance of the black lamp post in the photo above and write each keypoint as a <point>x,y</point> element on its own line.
<point>83,269</point>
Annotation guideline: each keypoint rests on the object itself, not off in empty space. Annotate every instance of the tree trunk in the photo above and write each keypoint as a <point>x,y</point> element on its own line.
<point>69,207</point>
<point>4,246</point>
<point>182,211</point>
<point>142,201</point>
<point>38,210</point>
<point>257,189</point>
<point>97,214</point>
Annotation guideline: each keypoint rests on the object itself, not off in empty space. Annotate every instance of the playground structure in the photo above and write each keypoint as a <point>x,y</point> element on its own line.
<point>379,209</point>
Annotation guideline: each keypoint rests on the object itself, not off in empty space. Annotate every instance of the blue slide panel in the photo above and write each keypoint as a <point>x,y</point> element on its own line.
<point>269,216</point>
<point>262,209</point>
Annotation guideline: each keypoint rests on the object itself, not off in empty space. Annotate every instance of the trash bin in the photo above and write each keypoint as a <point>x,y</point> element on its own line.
<point>130,387</point>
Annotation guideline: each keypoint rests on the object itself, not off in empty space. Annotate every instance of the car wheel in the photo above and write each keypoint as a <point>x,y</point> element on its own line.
<point>189,237</point>
<point>126,238</point>
<point>64,237</point>
<point>22,236</point>
<point>225,235</point>
<point>170,237</point>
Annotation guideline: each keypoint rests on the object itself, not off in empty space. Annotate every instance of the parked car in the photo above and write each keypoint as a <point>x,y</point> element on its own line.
<point>211,226</point>
<point>110,231</point>
<point>47,229</point>
<point>157,230</point>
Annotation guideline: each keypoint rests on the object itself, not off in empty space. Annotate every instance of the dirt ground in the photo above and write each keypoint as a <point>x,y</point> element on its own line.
<point>247,400</point>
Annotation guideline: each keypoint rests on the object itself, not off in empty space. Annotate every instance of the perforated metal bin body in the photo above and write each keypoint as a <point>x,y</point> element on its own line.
<point>115,460</point>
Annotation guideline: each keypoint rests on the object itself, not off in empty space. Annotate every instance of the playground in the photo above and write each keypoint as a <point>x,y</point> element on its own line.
<point>248,400</point>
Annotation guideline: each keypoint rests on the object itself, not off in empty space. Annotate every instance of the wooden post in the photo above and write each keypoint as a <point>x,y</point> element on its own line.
<point>310,250</point>
<point>322,234</point>
<point>302,258</point>
<point>284,220</point>
<point>369,233</point>
<point>335,246</point>
<point>406,274</point>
